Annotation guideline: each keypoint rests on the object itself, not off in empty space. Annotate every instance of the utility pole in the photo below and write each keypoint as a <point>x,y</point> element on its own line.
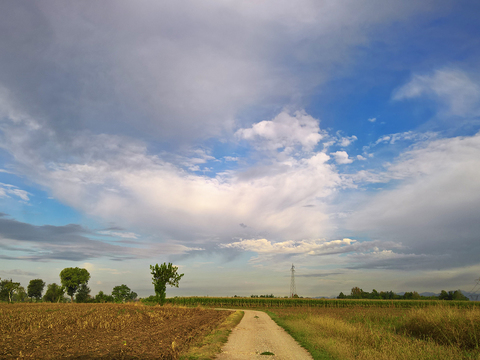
<point>293,288</point>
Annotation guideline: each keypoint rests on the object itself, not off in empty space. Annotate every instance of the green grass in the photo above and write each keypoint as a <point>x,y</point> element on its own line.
<point>211,345</point>
<point>302,337</point>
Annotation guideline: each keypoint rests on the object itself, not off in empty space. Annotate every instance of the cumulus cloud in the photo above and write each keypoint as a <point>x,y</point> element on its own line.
<point>372,120</point>
<point>128,91</point>
<point>341,253</point>
<point>341,157</point>
<point>284,132</point>
<point>453,88</point>
<point>309,247</point>
<point>345,141</point>
<point>117,179</point>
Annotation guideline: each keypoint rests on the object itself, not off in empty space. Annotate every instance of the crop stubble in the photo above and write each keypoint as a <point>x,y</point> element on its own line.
<point>105,331</point>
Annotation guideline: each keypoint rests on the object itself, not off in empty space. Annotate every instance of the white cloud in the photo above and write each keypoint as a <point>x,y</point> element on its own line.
<point>194,159</point>
<point>360,157</point>
<point>7,189</point>
<point>308,247</point>
<point>345,141</point>
<point>341,157</point>
<point>124,235</point>
<point>339,253</point>
<point>284,132</point>
<point>451,87</point>
<point>410,136</point>
<point>115,178</point>
<point>372,119</point>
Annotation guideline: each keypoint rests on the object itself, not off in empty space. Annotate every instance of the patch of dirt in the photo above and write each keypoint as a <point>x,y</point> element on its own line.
<point>103,331</point>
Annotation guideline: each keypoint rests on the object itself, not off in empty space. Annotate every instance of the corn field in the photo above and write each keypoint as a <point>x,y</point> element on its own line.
<point>222,302</point>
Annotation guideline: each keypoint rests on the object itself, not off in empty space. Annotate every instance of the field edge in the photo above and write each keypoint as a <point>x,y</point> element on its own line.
<point>317,354</point>
<point>211,345</point>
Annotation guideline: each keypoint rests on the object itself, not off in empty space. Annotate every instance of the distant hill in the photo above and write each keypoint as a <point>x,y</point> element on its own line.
<point>471,296</point>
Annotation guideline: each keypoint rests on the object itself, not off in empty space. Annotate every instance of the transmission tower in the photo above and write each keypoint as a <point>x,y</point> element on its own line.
<point>473,294</point>
<point>293,288</point>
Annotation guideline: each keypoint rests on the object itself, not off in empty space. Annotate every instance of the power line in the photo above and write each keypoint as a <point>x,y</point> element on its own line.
<point>473,292</point>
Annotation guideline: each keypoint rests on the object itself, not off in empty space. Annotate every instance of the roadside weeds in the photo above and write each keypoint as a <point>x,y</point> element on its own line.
<point>211,345</point>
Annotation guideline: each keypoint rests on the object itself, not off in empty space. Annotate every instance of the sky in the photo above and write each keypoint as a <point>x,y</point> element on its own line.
<point>236,138</point>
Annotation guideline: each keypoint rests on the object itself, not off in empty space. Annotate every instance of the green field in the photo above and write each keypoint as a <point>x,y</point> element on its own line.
<point>329,303</point>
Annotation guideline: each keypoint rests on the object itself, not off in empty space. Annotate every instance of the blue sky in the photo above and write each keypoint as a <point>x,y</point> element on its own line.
<point>236,138</point>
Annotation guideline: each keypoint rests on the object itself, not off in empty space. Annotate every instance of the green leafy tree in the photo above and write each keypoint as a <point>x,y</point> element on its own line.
<point>356,293</point>
<point>443,295</point>
<point>452,295</point>
<point>374,295</point>
<point>412,296</point>
<point>54,293</point>
<point>3,292</point>
<point>72,278</point>
<point>20,294</point>
<point>101,297</point>
<point>122,293</point>
<point>457,295</point>
<point>163,275</point>
<point>83,294</point>
<point>35,288</point>
<point>7,288</point>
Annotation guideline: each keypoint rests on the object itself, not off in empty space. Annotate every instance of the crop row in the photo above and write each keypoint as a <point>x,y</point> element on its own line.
<point>334,303</point>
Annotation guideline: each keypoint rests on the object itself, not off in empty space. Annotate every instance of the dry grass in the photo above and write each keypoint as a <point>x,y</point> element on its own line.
<point>444,325</point>
<point>106,331</point>
<point>369,333</point>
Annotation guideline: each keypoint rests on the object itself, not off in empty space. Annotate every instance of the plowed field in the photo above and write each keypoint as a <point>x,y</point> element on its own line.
<point>104,331</point>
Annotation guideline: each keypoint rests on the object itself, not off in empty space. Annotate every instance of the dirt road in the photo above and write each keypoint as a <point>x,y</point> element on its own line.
<point>257,334</point>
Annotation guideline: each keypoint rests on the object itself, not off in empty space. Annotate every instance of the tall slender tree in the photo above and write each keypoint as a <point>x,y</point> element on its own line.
<point>163,275</point>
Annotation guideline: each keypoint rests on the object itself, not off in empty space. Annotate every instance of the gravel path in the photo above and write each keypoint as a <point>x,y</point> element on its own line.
<point>256,334</point>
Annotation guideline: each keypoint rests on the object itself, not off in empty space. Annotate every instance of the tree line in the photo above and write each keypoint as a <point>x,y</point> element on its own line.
<point>74,283</point>
<point>357,293</point>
